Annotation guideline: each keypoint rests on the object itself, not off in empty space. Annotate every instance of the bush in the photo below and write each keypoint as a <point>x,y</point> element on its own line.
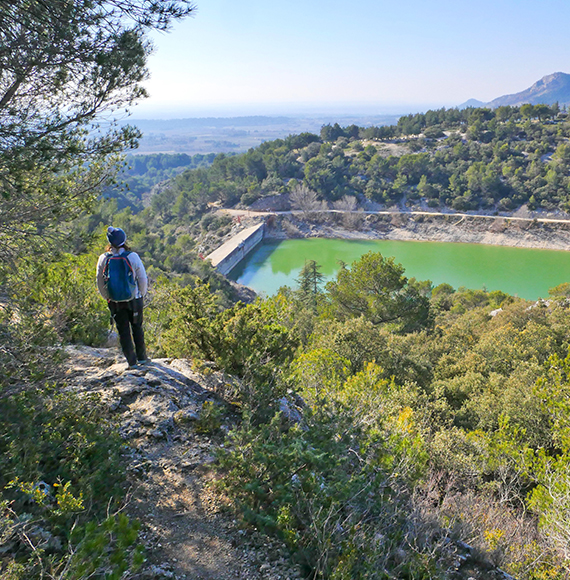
<point>60,475</point>
<point>61,295</point>
<point>336,488</point>
<point>253,342</point>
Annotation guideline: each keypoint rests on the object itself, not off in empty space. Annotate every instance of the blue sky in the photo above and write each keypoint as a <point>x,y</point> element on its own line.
<point>264,57</point>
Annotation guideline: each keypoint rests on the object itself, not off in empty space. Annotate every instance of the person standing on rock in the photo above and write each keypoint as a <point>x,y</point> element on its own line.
<point>122,281</point>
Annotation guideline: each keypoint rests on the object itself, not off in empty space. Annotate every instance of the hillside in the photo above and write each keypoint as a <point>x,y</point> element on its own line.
<point>425,427</point>
<point>469,160</point>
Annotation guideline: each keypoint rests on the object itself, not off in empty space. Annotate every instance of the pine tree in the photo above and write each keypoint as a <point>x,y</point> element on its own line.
<point>310,279</point>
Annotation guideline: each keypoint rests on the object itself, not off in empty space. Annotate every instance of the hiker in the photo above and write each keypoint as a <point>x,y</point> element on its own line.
<point>122,281</point>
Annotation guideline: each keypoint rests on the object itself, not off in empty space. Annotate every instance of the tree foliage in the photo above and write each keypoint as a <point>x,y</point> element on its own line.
<point>254,342</point>
<point>66,67</point>
<point>310,281</point>
<point>376,288</point>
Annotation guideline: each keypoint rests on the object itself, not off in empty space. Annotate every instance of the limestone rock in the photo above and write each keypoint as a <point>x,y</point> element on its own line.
<point>185,416</point>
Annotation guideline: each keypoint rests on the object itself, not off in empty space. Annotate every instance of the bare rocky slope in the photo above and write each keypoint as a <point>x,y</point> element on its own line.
<point>472,229</point>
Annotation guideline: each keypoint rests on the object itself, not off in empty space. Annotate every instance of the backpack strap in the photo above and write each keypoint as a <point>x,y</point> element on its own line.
<point>108,256</point>
<point>106,266</point>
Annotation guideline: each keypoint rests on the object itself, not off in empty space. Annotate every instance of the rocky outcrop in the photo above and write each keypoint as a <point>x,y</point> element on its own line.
<point>162,412</point>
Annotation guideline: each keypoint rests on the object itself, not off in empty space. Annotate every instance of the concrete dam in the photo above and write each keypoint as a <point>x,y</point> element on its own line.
<point>230,254</point>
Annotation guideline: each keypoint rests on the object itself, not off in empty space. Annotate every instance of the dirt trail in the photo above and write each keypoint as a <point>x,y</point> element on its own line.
<point>515,231</point>
<point>186,532</point>
<point>300,214</point>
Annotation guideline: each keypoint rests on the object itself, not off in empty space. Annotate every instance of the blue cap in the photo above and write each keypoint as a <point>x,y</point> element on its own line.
<point>116,236</point>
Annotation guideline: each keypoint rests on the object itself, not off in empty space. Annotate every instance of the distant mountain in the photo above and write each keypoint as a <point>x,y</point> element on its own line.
<point>554,88</point>
<point>471,103</point>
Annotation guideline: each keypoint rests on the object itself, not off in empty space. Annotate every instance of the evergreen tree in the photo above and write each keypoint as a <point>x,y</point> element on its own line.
<point>376,288</point>
<point>310,280</point>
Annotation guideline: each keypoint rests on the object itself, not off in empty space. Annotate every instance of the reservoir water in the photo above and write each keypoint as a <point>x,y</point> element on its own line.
<point>524,272</point>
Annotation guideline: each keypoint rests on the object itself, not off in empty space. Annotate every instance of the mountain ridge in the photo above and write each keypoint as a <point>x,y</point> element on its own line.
<point>550,89</point>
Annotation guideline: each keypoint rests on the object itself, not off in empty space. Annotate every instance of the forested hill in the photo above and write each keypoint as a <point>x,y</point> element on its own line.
<point>471,159</point>
<point>143,172</point>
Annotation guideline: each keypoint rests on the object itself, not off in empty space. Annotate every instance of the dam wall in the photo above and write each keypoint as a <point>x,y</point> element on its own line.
<point>230,254</point>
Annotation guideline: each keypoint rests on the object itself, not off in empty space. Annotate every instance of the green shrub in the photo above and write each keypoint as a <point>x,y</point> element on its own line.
<point>106,550</point>
<point>253,342</point>
<point>210,419</point>
<point>61,295</point>
<point>328,486</point>
<point>49,434</point>
<point>60,475</point>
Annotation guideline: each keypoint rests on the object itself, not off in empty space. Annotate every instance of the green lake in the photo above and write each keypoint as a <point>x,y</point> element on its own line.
<point>524,272</point>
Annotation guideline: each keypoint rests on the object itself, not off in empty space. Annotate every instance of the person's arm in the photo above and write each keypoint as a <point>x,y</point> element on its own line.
<point>100,281</point>
<point>140,272</point>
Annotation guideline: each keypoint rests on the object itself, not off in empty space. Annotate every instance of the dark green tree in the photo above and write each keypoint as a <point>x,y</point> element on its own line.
<point>542,111</point>
<point>331,133</point>
<point>310,281</point>
<point>527,111</point>
<point>376,288</point>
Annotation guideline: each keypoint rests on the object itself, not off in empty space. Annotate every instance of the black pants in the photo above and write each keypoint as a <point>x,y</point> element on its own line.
<point>128,317</point>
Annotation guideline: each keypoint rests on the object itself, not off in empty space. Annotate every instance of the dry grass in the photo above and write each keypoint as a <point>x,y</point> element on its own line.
<point>499,534</point>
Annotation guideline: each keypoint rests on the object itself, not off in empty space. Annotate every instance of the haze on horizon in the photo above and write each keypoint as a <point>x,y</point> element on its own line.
<point>374,56</point>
